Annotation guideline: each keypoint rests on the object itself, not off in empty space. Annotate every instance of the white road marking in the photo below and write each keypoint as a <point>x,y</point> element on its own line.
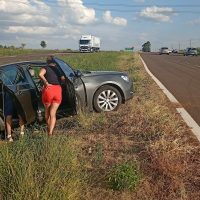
<point>190,122</point>
<point>184,114</point>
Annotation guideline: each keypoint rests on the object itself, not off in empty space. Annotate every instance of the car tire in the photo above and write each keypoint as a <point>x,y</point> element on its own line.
<point>107,98</point>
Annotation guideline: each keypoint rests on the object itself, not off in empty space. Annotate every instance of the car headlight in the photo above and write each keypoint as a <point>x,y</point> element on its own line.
<point>125,78</point>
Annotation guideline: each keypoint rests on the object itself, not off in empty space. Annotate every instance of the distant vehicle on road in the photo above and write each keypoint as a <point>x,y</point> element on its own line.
<point>165,50</point>
<point>89,43</point>
<point>191,51</point>
<point>174,51</point>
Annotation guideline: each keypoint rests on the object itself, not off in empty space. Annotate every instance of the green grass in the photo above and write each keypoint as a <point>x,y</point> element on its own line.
<point>40,168</point>
<point>94,61</point>
<point>145,130</point>
<point>123,176</point>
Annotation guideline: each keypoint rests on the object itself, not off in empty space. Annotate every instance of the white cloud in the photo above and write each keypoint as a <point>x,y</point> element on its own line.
<point>59,22</point>
<point>23,13</point>
<point>29,30</point>
<point>74,11</point>
<point>116,20</point>
<point>107,17</point>
<point>161,14</point>
<point>22,6</point>
<point>34,17</point>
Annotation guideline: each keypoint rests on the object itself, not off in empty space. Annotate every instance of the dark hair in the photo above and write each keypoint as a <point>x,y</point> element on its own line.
<point>50,59</point>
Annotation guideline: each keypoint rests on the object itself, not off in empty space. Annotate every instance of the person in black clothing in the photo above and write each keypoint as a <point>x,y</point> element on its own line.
<point>52,92</point>
<point>9,112</point>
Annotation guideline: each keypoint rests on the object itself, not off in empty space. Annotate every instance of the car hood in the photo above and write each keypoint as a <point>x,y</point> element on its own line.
<point>101,73</point>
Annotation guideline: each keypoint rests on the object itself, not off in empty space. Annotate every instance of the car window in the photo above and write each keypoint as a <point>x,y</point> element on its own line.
<point>13,75</point>
<point>65,67</point>
<point>5,79</point>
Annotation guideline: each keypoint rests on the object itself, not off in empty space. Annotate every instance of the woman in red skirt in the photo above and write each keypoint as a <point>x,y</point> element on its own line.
<point>52,92</point>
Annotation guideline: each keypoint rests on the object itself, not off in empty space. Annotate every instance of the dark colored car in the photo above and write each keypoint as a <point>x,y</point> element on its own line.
<point>94,90</point>
<point>191,51</point>
<point>175,51</point>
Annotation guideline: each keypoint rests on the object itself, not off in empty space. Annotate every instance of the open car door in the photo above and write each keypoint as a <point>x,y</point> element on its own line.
<point>73,88</point>
<point>16,84</point>
<point>2,124</point>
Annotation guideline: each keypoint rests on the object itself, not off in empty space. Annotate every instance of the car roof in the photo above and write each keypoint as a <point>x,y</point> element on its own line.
<point>24,63</point>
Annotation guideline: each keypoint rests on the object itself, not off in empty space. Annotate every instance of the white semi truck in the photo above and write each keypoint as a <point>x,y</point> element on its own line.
<point>89,43</point>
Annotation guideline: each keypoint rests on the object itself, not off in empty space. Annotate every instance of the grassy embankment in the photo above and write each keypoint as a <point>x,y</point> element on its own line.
<point>142,151</point>
<point>146,131</point>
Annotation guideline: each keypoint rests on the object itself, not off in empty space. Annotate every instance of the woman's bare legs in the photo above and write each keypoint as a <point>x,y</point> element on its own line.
<point>47,115</point>
<point>9,127</point>
<point>21,124</point>
<point>52,117</point>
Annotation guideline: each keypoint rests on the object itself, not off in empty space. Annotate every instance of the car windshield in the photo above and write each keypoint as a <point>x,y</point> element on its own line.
<point>164,47</point>
<point>84,41</point>
<point>193,49</point>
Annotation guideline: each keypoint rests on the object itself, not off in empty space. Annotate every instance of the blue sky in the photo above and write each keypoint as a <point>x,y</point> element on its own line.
<point>119,24</point>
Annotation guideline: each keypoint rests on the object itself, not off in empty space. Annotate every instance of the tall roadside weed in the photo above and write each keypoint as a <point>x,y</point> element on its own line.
<point>40,168</point>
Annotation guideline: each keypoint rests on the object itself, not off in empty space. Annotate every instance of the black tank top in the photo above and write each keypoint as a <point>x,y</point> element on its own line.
<point>53,75</point>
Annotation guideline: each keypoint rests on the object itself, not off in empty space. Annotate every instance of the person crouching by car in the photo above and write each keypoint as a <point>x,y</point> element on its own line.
<point>9,112</point>
<point>52,92</point>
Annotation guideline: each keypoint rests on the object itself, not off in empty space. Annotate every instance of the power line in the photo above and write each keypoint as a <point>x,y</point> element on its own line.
<point>51,2</point>
<point>132,5</point>
<point>57,5</point>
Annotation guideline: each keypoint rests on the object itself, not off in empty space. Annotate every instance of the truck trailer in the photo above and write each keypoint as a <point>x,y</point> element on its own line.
<point>89,43</point>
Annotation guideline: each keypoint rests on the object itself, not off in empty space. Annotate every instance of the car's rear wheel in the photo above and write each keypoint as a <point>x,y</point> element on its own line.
<point>107,98</point>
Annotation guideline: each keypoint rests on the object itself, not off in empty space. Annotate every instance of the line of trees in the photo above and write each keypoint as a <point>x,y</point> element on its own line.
<point>146,47</point>
<point>10,47</point>
<point>43,44</point>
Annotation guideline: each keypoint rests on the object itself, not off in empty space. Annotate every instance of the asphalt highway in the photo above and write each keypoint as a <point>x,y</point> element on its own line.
<point>181,76</point>
<point>28,57</point>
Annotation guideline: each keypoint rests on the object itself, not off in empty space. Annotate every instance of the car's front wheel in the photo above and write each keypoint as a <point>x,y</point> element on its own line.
<point>107,98</point>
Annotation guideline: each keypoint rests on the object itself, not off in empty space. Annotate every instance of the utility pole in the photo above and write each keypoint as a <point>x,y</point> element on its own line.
<point>179,46</point>
<point>190,43</point>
